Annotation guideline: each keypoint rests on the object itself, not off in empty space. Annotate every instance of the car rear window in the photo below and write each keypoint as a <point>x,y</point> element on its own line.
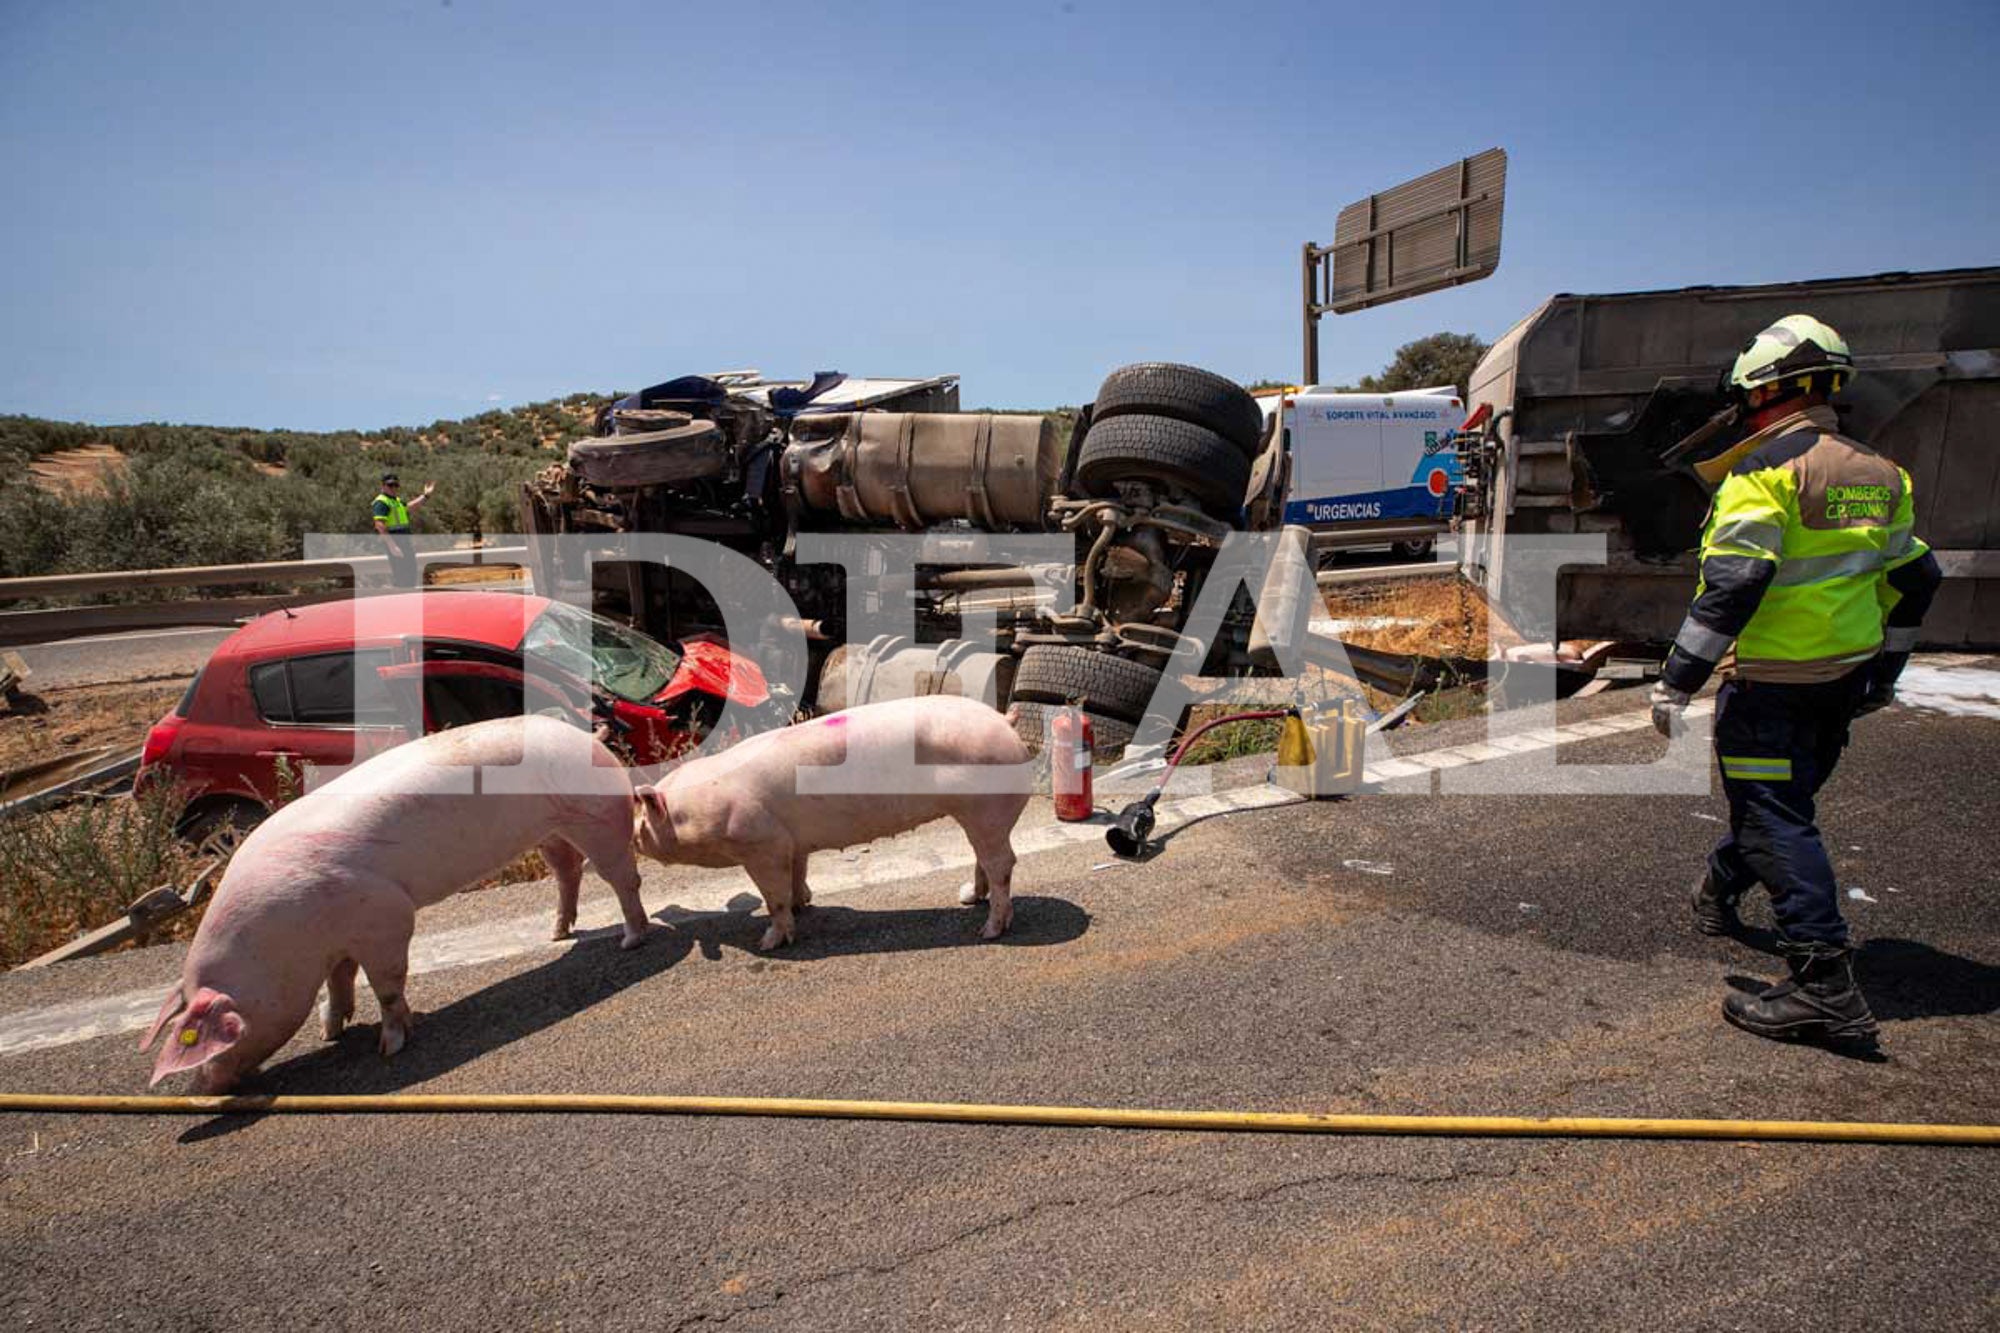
<point>325,690</point>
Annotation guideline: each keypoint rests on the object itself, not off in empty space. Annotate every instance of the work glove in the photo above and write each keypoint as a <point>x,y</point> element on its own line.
<point>1668,705</point>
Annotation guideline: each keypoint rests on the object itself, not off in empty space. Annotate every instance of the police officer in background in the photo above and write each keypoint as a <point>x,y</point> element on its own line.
<point>1811,569</point>
<point>391,515</point>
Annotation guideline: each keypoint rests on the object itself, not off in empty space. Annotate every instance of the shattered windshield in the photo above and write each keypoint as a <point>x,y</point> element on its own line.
<point>615,659</point>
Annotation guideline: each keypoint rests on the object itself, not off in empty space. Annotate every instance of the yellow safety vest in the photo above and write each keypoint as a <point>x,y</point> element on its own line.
<point>398,517</point>
<point>1833,517</point>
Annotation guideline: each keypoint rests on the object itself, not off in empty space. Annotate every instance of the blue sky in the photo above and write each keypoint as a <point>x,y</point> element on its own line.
<point>364,214</point>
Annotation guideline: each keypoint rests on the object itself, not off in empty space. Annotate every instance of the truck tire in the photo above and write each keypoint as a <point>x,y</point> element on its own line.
<point>652,458</point>
<point>1113,687</point>
<point>1108,736</point>
<point>1185,393</point>
<point>1194,459</point>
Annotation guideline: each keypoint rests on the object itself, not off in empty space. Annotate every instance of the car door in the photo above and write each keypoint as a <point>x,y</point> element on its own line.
<point>435,695</point>
<point>320,711</point>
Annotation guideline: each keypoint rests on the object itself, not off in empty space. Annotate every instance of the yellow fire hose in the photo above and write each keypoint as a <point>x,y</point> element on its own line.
<point>1083,1117</point>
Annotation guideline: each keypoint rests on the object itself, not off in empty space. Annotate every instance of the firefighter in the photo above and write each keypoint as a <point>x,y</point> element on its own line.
<point>1811,568</point>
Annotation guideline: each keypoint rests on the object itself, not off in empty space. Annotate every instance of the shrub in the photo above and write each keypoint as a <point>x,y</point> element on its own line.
<point>71,870</point>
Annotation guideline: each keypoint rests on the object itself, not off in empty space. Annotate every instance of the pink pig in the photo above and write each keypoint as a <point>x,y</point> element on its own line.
<point>333,882</point>
<point>745,806</point>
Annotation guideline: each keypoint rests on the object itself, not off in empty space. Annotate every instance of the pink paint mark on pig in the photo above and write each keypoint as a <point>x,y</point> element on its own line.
<point>746,807</point>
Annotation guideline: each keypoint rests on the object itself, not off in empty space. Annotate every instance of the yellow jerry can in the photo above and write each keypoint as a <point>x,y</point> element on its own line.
<point>1320,753</point>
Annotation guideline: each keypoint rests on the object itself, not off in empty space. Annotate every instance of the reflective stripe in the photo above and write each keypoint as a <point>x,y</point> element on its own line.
<point>1899,638</point>
<point>1750,536</point>
<point>1698,640</point>
<point>1800,670</point>
<point>1900,540</point>
<point>1751,768</point>
<point>1826,568</point>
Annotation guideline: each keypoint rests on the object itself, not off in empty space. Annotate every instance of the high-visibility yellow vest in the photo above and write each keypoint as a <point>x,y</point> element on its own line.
<point>1833,517</point>
<point>398,516</point>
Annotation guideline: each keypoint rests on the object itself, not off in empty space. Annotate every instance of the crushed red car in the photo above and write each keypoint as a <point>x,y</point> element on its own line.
<point>331,684</point>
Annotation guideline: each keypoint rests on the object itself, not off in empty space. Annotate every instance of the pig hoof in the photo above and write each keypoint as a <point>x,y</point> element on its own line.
<point>562,931</point>
<point>332,1025</point>
<point>995,927</point>
<point>393,1038</point>
<point>772,939</point>
<point>968,893</point>
<point>631,939</point>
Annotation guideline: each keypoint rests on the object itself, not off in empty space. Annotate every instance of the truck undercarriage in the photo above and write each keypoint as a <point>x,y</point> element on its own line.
<point>1158,471</point>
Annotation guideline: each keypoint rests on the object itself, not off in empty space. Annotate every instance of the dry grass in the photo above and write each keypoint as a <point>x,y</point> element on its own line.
<point>1233,741</point>
<point>74,869</point>
<point>80,717</point>
<point>71,870</point>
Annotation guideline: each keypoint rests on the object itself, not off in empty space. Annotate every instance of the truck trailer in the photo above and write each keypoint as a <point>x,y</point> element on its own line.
<point>1595,407</point>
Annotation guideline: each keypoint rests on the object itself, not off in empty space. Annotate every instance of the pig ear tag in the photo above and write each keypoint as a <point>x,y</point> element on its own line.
<point>189,1036</point>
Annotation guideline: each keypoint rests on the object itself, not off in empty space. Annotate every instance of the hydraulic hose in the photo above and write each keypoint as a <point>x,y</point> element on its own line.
<point>1081,1117</point>
<point>1128,833</point>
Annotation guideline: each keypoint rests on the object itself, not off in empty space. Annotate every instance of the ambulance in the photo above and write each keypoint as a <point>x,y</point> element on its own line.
<point>1372,469</point>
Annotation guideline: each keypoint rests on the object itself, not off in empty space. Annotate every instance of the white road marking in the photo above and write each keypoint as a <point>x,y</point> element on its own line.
<point>926,851</point>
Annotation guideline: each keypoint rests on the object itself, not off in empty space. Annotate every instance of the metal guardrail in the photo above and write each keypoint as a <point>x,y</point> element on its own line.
<point>54,624</point>
<point>217,576</point>
<point>49,782</point>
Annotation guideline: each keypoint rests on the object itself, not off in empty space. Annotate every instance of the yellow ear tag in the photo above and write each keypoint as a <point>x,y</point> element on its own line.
<point>189,1036</point>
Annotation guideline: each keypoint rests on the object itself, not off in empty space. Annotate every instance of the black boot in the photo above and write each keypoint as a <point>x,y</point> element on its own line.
<point>1820,999</point>
<point>1714,910</point>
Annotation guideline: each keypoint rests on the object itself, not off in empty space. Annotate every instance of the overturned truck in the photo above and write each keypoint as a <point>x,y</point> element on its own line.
<point>1594,408</point>
<point>1154,476</point>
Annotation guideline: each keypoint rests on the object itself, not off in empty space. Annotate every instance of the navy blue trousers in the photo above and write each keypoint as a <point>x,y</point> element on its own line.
<point>1777,745</point>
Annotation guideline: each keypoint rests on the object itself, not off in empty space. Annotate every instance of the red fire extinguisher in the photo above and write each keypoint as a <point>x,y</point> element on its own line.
<point>1070,741</point>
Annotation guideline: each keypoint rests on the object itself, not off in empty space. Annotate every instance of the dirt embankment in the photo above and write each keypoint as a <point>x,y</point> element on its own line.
<point>82,471</point>
<point>43,724</point>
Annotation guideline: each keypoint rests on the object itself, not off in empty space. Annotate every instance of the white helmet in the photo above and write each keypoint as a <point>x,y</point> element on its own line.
<point>1797,345</point>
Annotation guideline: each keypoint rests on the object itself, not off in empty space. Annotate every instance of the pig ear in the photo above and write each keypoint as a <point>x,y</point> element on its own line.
<point>174,1003</point>
<point>207,1031</point>
<point>650,796</point>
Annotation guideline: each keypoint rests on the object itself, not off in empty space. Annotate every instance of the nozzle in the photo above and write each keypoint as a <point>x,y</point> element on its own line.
<point>1127,837</point>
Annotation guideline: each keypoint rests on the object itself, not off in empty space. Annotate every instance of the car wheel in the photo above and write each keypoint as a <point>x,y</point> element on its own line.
<point>218,829</point>
<point>1185,457</point>
<point>1419,550</point>
<point>1185,393</point>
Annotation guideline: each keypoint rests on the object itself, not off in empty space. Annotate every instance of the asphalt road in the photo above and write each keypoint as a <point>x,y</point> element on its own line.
<point>1513,954</point>
<point>155,654</point>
